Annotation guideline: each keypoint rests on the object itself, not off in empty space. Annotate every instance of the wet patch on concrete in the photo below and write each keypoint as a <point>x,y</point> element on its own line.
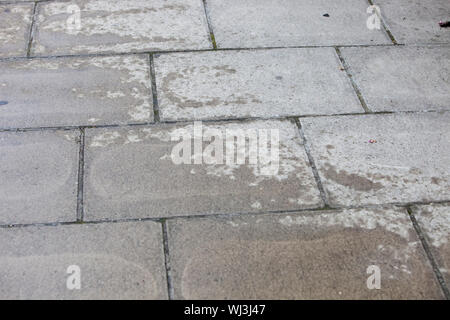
<point>300,256</point>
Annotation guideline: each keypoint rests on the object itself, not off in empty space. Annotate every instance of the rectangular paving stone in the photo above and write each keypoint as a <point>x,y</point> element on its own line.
<point>272,23</point>
<point>120,26</point>
<point>15,24</point>
<point>378,159</point>
<point>38,176</point>
<point>401,78</point>
<point>255,83</point>
<point>416,21</point>
<point>113,261</point>
<point>313,255</point>
<point>434,220</point>
<point>137,172</point>
<point>75,91</point>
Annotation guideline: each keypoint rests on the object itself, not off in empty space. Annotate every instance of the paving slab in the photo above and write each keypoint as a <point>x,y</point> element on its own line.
<point>313,255</point>
<point>377,159</point>
<point>115,261</point>
<point>434,220</point>
<point>75,91</point>
<point>38,176</point>
<point>416,21</point>
<point>136,172</point>
<point>274,23</point>
<point>401,78</point>
<point>119,26</point>
<point>15,24</point>
<point>256,83</point>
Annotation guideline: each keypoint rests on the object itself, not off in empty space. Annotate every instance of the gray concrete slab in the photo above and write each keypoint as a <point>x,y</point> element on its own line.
<point>120,26</point>
<point>402,78</point>
<point>314,255</point>
<point>75,91</point>
<point>257,83</point>
<point>115,261</point>
<point>378,159</point>
<point>131,173</point>
<point>416,21</point>
<point>38,176</point>
<point>434,220</point>
<point>15,23</point>
<point>271,23</point>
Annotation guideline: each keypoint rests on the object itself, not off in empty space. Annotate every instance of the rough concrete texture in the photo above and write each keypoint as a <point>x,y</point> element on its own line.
<point>257,83</point>
<point>116,261</point>
<point>434,220</point>
<point>15,23</point>
<point>98,103</point>
<point>269,23</point>
<point>314,255</point>
<point>416,21</point>
<point>377,159</point>
<point>38,176</point>
<point>120,26</point>
<point>131,173</point>
<point>401,78</point>
<point>75,91</point>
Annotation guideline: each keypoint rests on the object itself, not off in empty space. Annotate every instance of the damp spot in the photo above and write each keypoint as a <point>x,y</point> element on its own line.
<point>351,180</point>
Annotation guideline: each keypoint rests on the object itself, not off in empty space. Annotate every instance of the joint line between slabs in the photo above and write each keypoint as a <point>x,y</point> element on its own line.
<point>384,25</point>
<point>32,29</point>
<point>352,81</point>
<point>165,239</point>
<point>80,185</point>
<point>156,111</point>
<point>307,149</point>
<point>429,254</point>
<point>210,28</point>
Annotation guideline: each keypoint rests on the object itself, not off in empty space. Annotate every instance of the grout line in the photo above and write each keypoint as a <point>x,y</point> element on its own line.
<point>385,27</point>
<point>429,254</point>
<point>25,1</point>
<point>352,81</point>
<point>114,54</point>
<point>323,194</point>
<point>156,112</point>
<point>227,215</point>
<point>32,29</point>
<point>210,28</point>
<point>218,120</point>
<point>165,236</point>
<point>110,54</point>
<point>80,203</point>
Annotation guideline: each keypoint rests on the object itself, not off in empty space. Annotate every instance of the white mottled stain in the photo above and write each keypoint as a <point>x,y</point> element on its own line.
<point>130,74</point>
<point>132,138</point>
<point>256,205</point>
<point>115,94</point>
<point>104,139</point>
<point>10,26</point>
<point>126,25</point>
<point>435,220</point>
<point>390,220</point>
